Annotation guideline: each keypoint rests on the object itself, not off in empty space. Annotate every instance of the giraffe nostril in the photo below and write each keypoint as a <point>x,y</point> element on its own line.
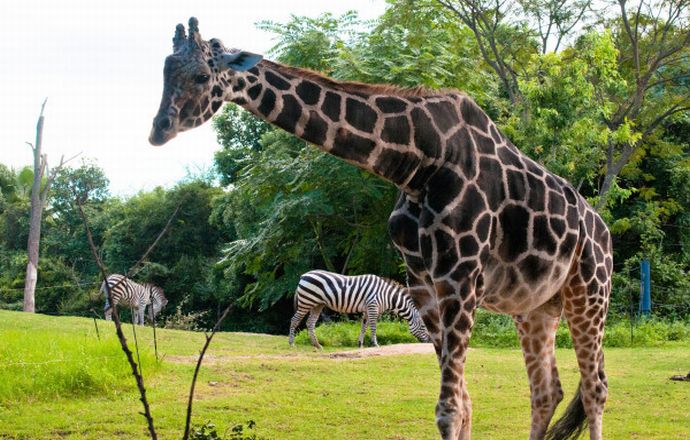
<point>164,123</point>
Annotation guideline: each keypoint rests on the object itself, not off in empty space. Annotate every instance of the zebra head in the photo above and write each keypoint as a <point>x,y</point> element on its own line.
<point>158,299</point>
<point>417,327</point>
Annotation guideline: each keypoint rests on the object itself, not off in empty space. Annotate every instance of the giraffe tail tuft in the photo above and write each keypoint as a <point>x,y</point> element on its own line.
<point>572,422</point>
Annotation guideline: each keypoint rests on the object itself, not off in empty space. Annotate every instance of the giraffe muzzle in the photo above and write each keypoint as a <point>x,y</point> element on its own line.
<point>162,131</point>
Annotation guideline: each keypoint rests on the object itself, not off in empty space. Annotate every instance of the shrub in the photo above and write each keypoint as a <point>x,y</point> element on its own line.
<point>208,431</point>
<point>184,321</point>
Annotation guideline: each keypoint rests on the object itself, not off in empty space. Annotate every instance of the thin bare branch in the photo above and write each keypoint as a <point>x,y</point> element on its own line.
<point>190,401</point>
<point>133,270</point>
<point>118,326</point>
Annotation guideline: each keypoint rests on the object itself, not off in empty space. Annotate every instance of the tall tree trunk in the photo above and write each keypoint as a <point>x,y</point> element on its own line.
<point>38,201</point>
<point>35,219</point>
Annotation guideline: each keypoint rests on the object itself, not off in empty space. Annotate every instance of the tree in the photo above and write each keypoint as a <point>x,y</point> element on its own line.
<point>653,37</point>
<point>64,228</point>
<point>38,200</point>
<point>291,208</point>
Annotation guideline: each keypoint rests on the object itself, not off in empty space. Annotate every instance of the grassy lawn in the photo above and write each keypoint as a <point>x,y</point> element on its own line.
<point>57,380</point>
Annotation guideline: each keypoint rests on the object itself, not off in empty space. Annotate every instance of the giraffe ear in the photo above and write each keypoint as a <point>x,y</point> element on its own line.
<point>240,61</point>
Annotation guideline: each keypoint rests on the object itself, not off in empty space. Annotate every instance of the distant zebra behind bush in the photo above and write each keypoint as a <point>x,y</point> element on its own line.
<point>124,291</point>
<point>367,294</point>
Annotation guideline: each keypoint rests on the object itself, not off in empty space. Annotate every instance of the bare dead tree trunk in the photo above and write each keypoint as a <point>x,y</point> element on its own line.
<point>38,200</point>
<point>35,219</point>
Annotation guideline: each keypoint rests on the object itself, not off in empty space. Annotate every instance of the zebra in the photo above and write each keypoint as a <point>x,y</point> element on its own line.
<point>368,294</point>
<point>125,291</point>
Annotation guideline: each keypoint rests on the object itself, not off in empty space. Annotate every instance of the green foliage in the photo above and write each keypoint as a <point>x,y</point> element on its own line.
<point>618,129</point>
<point>313,43</point>
<point>184,321</point>
<point>239,133</point>
<point>295,209</point>
<point>182,262</point>
<point>207,431</point>
<point>240,431</point>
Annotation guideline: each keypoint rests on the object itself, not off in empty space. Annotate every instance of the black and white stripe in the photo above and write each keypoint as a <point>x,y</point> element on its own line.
<point>137,296</point>
<point>368,294</point>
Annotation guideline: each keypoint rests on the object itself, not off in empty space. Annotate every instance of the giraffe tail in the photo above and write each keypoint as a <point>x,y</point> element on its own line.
<point>572,422</point>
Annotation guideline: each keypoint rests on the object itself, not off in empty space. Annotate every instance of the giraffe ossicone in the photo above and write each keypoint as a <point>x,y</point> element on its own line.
<point>478,222</point>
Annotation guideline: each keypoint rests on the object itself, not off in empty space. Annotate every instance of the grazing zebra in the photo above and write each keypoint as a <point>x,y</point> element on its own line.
<point>135,295</point>
<point>367,294</point>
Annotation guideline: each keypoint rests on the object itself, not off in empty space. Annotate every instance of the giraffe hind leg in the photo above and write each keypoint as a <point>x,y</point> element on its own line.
<point>585,300</point>
<point>537,332</point>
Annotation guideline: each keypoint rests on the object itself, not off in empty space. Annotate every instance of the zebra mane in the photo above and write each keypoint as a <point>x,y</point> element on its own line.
<point>394,283</point>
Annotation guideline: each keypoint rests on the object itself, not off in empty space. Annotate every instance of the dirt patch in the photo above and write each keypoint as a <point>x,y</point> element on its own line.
<point>386,350</point>
<point>211,359</point>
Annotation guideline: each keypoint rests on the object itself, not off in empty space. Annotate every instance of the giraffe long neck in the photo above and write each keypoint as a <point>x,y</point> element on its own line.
<point>372,131</point>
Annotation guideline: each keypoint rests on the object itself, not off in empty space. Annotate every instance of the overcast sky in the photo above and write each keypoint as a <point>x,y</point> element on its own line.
<point>100,64</point>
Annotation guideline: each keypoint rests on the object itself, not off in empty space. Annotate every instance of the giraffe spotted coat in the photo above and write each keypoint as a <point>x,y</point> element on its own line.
<point>478,222</point>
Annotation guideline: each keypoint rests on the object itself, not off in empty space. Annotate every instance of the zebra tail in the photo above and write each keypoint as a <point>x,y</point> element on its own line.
<point>572,422</point>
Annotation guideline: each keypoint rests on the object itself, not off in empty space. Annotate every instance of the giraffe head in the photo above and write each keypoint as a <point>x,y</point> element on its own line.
<point>196,80</point>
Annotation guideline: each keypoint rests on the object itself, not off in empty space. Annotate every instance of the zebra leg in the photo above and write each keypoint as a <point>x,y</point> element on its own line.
<point>372,317</point>
<point>363,332</point>
<point>294,322</point>
<point>142,312</point>
<point>311,324</point>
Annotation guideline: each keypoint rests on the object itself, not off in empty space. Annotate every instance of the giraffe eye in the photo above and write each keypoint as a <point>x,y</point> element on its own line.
<point>202,78</point>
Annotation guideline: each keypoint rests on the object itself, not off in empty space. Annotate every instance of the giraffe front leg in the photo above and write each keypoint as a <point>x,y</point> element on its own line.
<point>537,332</point>
<point>456,309</point>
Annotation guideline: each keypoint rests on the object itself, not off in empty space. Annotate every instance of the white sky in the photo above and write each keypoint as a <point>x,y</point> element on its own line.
<point>100,64</point>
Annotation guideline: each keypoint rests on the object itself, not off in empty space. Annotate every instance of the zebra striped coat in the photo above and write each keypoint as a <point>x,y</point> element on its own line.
<point>137,296</point>
<point>368,294</point>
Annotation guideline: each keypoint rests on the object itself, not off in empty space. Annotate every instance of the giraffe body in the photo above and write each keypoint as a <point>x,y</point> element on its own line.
<point>478,222</point>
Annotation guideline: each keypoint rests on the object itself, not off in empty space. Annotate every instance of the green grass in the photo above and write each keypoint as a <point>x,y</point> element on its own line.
<point>497,331</point>
<point>298,393</point>
<point>346,334</point>
<point>41,361</point>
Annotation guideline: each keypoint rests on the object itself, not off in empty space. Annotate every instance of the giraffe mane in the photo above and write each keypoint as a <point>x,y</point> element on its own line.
<point>356,87</point>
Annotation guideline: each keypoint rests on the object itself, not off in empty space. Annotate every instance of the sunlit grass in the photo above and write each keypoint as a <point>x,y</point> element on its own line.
<point>302,393</point>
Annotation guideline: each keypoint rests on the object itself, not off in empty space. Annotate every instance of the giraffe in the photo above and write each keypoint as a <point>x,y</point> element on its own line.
<point>478,223</point>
